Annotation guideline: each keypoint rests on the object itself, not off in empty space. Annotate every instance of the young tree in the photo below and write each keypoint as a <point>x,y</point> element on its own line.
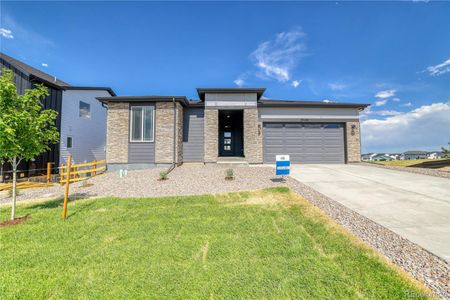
<point>446,152</point>
<point>26,130</point>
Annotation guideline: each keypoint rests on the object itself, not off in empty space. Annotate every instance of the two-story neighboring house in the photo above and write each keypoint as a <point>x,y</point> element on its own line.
<point>414,155</point>
<point>81,119</point>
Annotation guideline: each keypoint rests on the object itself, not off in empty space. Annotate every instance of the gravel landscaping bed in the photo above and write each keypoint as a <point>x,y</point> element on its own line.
<point>184,180</point>
<point>424,171</point>
<point>433,271</point>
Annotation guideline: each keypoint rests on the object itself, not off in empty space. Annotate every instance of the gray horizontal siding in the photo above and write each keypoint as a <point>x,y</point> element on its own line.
<point>141,153</point>
<point>193,134</point>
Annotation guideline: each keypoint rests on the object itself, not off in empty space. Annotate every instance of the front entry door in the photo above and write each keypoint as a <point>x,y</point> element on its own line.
<point>230,133</point>
<point>227,143</point>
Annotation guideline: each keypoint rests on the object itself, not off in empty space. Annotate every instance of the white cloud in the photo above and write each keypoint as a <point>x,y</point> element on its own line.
<point>408,104</point>
<point>381,102</point>
<point>385,94</point>
<point>44,65</point>
<point>387,113</point>
<point>6,33</point>
<point>369,112</point>
<point>337,86</point>
<point>440,68</point>
<point>396,99</point>
<point>296,83</point>
<point>328,101</point>
<point>276,58</point>
<point>424,128</point>
<point>239,82</point>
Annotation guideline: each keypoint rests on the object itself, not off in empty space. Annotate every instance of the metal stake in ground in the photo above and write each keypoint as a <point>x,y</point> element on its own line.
<point>66,193</point>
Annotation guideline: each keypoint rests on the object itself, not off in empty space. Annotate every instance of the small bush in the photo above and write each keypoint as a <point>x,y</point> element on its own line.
<point>10,193</point>
<point>229,174</point>
<point>163,175</point>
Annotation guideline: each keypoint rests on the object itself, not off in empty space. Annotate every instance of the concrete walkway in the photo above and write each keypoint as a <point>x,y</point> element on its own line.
<point>414,206</point>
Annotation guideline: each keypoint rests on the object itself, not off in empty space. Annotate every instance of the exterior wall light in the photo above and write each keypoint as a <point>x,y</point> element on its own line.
<point>353,129</point>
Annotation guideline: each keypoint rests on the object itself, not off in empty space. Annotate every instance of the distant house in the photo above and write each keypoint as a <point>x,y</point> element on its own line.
<point>434,155</point>
<point>81,119</point>
<point>367,156</point>
<point>414,155</point>
<point>382,157</point>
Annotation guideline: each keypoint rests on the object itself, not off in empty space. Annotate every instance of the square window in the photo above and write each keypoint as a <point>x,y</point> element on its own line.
<point>227,141</point>
<point>85,110</point>
<point>69,142</point>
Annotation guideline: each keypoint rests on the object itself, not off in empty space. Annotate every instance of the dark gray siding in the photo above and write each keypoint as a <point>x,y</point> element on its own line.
<point>193,134</point>
<point>52,101</point>
<point>305,142</point>
<point>20,79</point>
<point>143,152</point>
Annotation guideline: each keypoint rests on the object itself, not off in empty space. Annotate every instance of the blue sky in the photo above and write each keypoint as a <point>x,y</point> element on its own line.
<point>393,55</point>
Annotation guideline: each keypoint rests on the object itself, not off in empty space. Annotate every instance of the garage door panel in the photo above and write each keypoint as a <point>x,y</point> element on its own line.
<point>305,142</point>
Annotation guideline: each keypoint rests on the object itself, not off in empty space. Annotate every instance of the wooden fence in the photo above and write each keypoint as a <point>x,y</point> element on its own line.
<point>83,171</point>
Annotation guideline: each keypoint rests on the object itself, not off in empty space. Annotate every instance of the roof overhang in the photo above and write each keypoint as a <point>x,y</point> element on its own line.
<point>293,103</point>
<point>181,99</point>
<point>202,91</point>
<point>91,88</point>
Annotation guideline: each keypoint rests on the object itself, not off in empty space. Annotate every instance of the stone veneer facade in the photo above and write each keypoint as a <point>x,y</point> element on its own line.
<point>164,133</point>
<point>253,144</point>
<point>211,135</point>
<point>117,141</point>
<point>117,132</point>
<point>353,142</point>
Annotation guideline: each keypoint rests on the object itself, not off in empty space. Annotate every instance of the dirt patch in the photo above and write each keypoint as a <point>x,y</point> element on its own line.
<point>15,222</point>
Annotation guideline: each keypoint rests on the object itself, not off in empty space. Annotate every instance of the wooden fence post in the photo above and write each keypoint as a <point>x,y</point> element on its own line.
<point>66,193</point>
<point>49,172</point>
<point>94,167</point>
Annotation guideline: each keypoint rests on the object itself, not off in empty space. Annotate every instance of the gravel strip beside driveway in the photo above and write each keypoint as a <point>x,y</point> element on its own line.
<point>184,180</point>
<point>424,171</point>
<point>433,271</point>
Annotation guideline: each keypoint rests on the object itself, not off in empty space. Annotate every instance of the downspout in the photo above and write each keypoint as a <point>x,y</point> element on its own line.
<point>173,165</point>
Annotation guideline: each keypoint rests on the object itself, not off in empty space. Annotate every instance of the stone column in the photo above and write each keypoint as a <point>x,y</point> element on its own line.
<point>164,135</point>
<point>353,135</point>
<point>211,132</point>
<point>117,132</point>
<point>252,136</point>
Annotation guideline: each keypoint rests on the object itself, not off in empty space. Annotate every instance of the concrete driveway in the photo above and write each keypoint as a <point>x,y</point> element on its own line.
<point>414,206</point>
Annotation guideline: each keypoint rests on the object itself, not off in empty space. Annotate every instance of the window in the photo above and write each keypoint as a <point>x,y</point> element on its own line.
<point>69,142</point>
<point>85,110</point>
<point>142,124</point>
<point>333,126</point>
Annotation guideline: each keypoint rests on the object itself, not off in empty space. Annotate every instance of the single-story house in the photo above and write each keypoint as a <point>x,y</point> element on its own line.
<point>228,124</point>
<point>81,119</point>
<point>434,155</point>
<point>382,157</point>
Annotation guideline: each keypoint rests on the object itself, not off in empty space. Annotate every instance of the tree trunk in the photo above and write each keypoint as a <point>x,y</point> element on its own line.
<point>14,189</point>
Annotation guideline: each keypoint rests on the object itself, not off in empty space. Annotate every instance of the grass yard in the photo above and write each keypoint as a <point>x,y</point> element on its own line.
<point>263,244</point>
<point>439,164</point>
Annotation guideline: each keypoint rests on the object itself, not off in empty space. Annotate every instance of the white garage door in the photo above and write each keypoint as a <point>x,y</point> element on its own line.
<point>305,142</point>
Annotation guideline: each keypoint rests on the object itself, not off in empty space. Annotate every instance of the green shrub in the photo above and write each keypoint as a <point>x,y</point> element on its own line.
<point>229,174</point>
<point>163,175</point>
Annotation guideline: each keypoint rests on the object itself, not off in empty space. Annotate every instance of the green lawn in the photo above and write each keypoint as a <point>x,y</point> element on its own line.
<point>264,244</point>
